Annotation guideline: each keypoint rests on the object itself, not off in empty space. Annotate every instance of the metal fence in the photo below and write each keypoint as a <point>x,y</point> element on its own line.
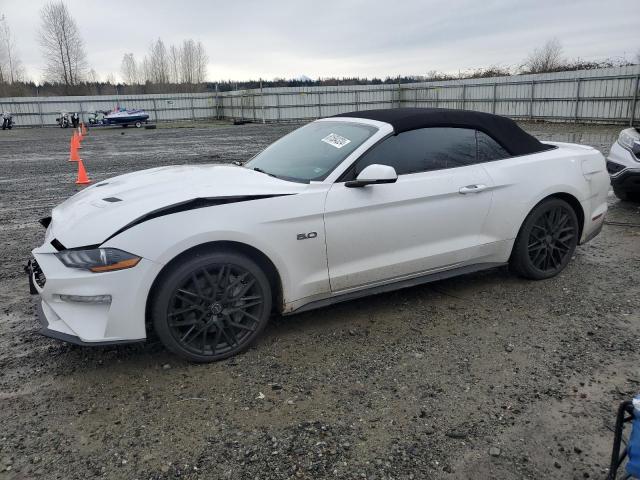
<point>602,96</point>
<point>42,111</point>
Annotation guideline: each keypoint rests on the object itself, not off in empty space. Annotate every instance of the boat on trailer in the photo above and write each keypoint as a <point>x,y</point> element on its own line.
<point>125,117</point>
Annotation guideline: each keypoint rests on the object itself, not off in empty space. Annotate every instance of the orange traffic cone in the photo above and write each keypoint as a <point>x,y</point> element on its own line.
<point>76,140</point>
<point>73,155</point>
<point>83,179</point>
<point>83,129</point>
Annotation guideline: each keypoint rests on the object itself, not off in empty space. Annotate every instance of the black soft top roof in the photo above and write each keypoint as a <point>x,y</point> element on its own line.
<point>504,130</point>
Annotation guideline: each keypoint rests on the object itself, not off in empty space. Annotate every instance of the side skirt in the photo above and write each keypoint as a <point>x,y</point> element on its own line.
<point>396,285</point>
<point>592,235</point>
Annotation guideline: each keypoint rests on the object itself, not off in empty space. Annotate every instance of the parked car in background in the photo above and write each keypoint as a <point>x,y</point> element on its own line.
<point>623,165</point>
<point>343,207</point>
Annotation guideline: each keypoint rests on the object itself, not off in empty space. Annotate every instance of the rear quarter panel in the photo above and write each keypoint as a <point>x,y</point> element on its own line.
<point>520,183</point>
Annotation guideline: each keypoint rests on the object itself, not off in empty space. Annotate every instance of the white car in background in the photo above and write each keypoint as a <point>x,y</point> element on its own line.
<point>343,207</point>
<point>623,164</point>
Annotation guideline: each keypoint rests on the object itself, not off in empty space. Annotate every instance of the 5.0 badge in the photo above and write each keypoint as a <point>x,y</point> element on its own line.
<point>305,236</point>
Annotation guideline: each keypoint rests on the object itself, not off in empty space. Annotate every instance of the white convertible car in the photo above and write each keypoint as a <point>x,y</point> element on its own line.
<point>342,207</point>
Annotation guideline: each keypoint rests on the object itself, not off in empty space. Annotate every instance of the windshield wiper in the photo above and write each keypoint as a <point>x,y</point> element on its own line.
<point>285,178</point>
<point>258,169</point>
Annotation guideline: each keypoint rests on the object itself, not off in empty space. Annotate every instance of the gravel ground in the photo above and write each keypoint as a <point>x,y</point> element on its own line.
<point>482,376</point>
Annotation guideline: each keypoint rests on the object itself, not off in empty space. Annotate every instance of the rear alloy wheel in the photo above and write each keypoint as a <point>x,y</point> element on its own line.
<point>546,241</point>
<point>212,306</point>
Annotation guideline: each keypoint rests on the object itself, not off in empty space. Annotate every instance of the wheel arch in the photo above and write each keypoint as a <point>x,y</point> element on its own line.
<point>263,261</point>
<point>575,204</point>
<point>567,197</point>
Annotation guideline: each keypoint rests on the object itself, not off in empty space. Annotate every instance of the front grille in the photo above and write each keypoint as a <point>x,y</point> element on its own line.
<point>38,274</point>
<point>614,168</point>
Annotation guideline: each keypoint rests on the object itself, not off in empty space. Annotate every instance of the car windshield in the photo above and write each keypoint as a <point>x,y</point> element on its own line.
<point>311,152</point>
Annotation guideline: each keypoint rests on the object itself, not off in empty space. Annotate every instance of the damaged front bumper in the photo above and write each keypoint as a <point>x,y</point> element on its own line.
<point>65,337</point>
<point>85,308</point>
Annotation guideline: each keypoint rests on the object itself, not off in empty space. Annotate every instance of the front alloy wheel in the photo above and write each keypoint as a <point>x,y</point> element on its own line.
<point>546,240</point>
<point>212,306</point>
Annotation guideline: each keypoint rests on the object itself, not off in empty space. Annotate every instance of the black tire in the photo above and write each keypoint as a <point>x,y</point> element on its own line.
<point>546,240</point>
<point>211,306</point>
<point>627,196</point>
<point>621,194</point>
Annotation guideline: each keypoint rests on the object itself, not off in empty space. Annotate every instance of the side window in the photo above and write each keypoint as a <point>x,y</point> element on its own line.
<point>423,150</point>
<point>448,148</point>
<point>489,149</point>
<point>387,152</point>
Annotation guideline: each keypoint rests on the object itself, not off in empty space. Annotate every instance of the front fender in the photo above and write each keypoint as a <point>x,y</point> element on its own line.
<point>271,226</point>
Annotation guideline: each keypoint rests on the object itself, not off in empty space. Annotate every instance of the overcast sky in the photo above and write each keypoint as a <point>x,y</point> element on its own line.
<point>247,39</point>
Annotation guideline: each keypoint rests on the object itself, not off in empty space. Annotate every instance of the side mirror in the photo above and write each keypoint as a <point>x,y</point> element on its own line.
<point>374,174</point>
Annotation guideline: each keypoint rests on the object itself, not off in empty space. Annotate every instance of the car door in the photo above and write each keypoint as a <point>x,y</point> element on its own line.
<point>430,219</point>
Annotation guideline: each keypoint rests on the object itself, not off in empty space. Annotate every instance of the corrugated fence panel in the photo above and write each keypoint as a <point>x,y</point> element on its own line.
<point>602,95</point>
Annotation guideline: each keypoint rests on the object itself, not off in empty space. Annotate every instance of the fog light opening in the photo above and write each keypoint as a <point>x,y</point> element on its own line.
<point>86,298</point>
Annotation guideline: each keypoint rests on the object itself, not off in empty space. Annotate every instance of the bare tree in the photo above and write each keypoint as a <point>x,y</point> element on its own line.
<point>200,64</point>
<point>129,69</point>
<point>187,61</point>
<point>193,62</point>
<point>10,65</point>
<point>92,76</point>
<point>186,64</point>
<point>145,70</point>
<point>157,63</point>
<point>174,64</point>
<point>548,58</point>
<point>62,45</point>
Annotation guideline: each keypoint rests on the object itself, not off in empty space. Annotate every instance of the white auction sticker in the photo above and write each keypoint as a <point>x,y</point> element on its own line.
<point>336,140</point>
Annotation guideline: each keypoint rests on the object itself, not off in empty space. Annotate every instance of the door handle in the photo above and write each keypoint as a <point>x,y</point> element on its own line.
<point>472,189</point>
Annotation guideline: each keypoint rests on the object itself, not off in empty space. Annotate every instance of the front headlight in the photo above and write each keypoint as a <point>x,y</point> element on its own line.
<point>98,259</point>
<point>627,140</point>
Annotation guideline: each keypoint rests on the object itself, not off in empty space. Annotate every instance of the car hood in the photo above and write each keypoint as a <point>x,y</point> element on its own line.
<point>98,212</point>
